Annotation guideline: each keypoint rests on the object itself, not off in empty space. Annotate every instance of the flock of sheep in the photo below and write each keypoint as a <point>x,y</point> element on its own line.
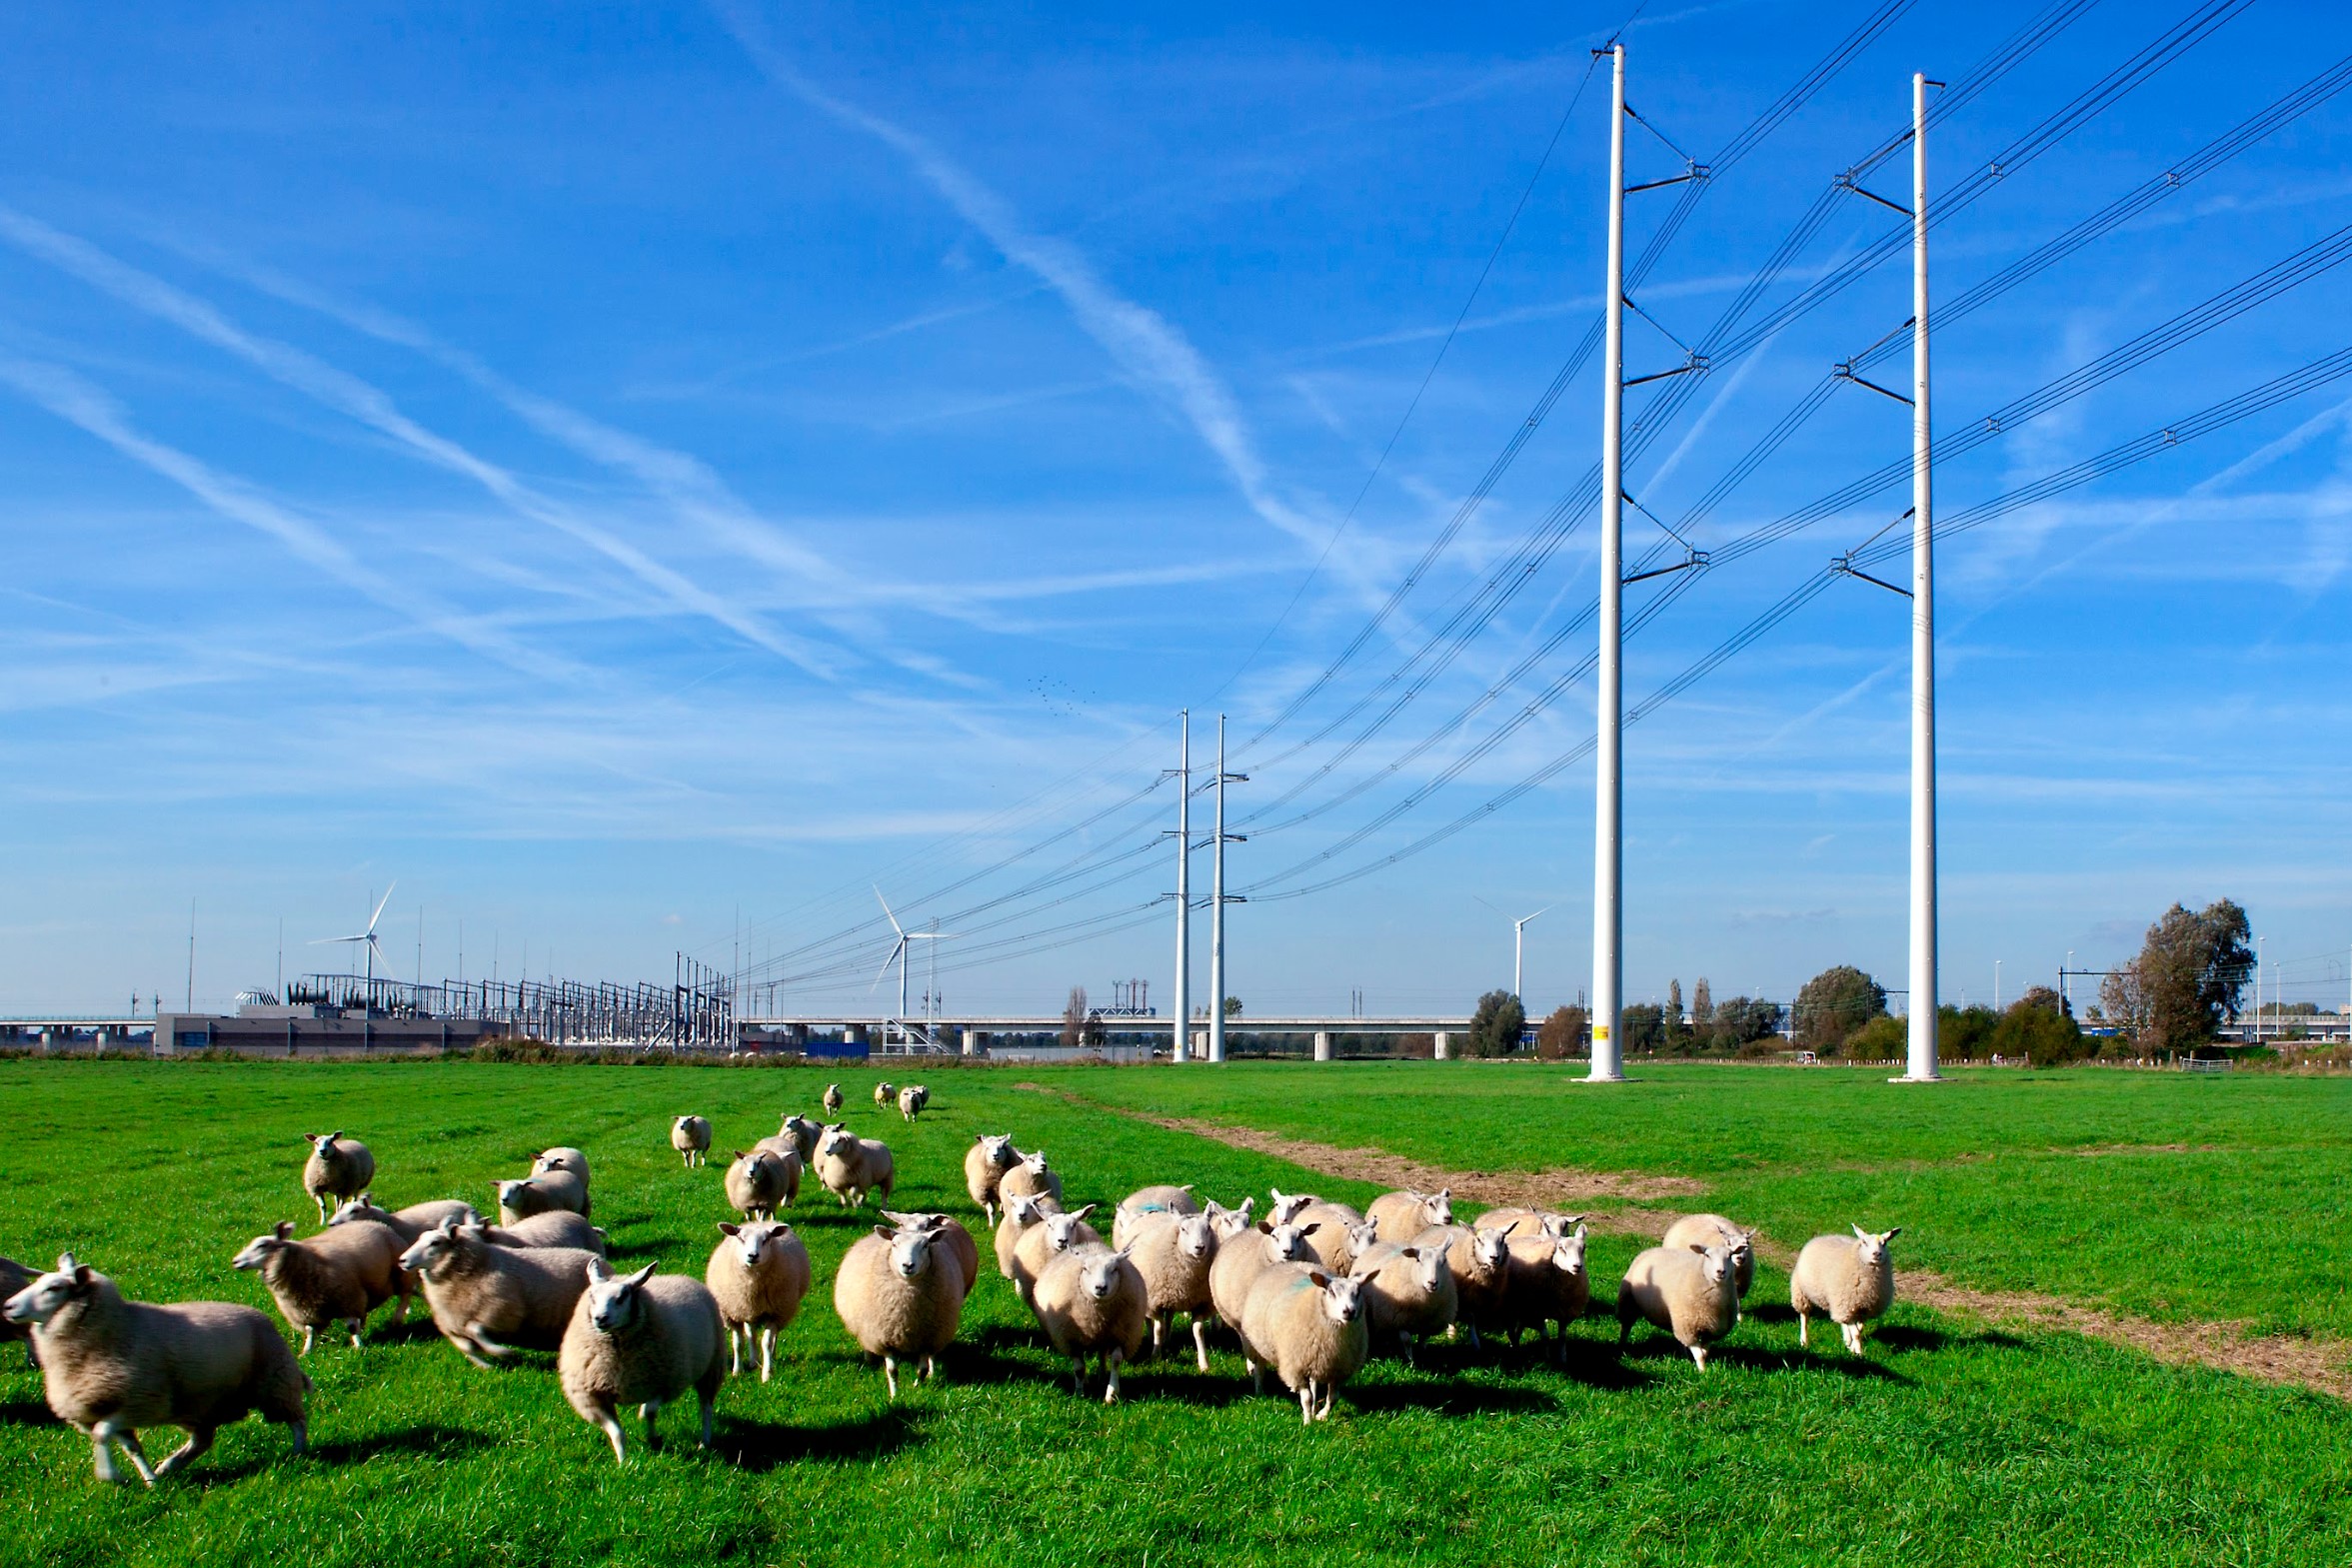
<point>1311,1290</point>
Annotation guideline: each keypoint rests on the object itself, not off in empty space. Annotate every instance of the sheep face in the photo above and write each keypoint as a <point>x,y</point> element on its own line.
<point>1286,1206</point>
<point>1428,1269</point>
<point>1061,1229</point>
<point>49,1295</point>
<point>1440,1206</point>
<point>1037,1163</point>
<point>1289,1242</point>
<point>799,1128</point>
<point>509,1192</point>
<point>1870,1249</point>
<point>1567,1252</point>
<point>997,1152</point>
<point>1097,1278</point>
<point>324,1142</point>
<point>612,1299</point>
<point>909,1249</point>
<point>1360,1237</point>
<point>916,1221</point>
<point>434,1245</point>
<point>1715,1264</point>
<point>1229,1223</point>
<point>752,1241</point>
<point>256,1254</point>
<point>1196,1236</point>
<point>1489,1248</point>
<point>1561,1224</point>
<point>1022,1210</point>
<point>351,1208</point>
<point>839,1145</point>
<point>1342,1298</point>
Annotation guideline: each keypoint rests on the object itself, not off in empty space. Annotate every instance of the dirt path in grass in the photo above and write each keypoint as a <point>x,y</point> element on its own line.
<point>2226,1347</point>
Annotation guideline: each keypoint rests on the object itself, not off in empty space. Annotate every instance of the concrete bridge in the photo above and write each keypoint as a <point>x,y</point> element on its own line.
<point>970,1033</point>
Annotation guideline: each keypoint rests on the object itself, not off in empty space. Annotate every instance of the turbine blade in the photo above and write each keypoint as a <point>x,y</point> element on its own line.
<point>886,915</point>
<point>884,974</point>
<point>379,914</point>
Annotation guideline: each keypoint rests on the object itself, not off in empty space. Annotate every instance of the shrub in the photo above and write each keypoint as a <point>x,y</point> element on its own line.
<point>1563,1035</point>
<point>1833,1005</point>
<point>1496,1026</point>
<point>1883,1039</point>
<point>2042,1036</point>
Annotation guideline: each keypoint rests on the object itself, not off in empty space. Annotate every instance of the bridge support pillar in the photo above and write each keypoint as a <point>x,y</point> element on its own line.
<point>1323,1044</point>
<point>972,1042</point>
<point>1445,1042</point>
<point>857,1034</point>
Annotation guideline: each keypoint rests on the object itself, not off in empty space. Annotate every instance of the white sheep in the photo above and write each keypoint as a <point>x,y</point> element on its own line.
<point>759,1275</point>
<point>407,1223</point>
<point>563,1158</point>
<point>901,1297</point>
<point>691,1137</point>
<point>985,1164</point>
<point>1090,1301</point>
<point>1308,1326</point>
<point>1529,1220</point>
<point>541,1192</point>
<point>1408,1293</point>
<point>558,1227</point>
<point>884,1093</point>
<point>804,1133</point>
<point>1848,1279</point>
<point>1689,1294</point>
<point>1031,1178</point>
<point>851,1166</point>
<point>1340,1237</point>
<point>1240,1259</point>
<point>1287,1206</point>
<point>491,1300</point>
<point>1479,1261</point>
<point>637,1340</point>
<point>952,1235</point>
<point>1547,1284</point>
<point>340,1275</point>
<point>1150,1200</point>
<point>1040,1243</point>
<point>338,1168</point>
<point>758,1181</point>
<point>1175,1253</point>
<point>1403,1215</point>
<point>1022,1214</point>
<point>111,1366</point>
<point>830,1099</point>
<point>1700,1232</point>
<point>910,1100</point>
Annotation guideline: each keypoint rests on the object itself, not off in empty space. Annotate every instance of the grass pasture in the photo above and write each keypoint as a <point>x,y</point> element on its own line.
<point>1951,1442</point>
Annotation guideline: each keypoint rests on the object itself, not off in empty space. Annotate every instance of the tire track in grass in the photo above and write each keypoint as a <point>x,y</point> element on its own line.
<point>1649,1208</point>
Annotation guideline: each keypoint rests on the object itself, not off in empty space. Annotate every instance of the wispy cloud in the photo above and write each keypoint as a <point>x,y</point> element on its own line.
<point>77,402</point>
<point>356,399</point>
<point>1141,341</point>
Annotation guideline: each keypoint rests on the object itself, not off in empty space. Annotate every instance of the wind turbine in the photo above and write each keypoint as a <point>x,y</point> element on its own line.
<point>899,952</point>
<point>1518,946</point>
<point>368,936</point>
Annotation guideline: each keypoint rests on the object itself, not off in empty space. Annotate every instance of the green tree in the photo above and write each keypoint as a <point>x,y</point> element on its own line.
<point>1639,1026</point>
<point>1680,1038</point>
<point>1965,1033</point>
<point>2041,1034</point>
<point>1496,1026</point>
<point>1073,1017</point>
<point>1833,1005</point>
<point>1883,1039</point>
<point>2187,977</point>
<point>1702,1003</point>
<point>1563,1035</point>
<point>1233,1007</point>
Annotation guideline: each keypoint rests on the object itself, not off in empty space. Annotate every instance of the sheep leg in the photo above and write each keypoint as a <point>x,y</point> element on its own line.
<point>127,1440</point>
<point>1330,1390</point>
<point>307,1333</point>
<point>101,1454</point>
<point>890,1374</point>
<point>1201,1342</point>
<point>1802,1324</point>
<point>1475,1344</point>
<point>1698,1353</point>
<point>199,1439</point>
<point>1406,1340</point>
<point>603,1417</point>
<point>320,1198</point>
<point>1111,1363</point>
<point>466,1348</point>
<point>930,1369</point>
<point>767,1350</point>
<point>1306,1403</point>
<point>400,1313</point>
<point>649,1414</point>
<point>485,1343</point>
<point>1078,1375</point>
<point>1160,1334</point>
<point>356,1324</point>
<point>708,1393</point>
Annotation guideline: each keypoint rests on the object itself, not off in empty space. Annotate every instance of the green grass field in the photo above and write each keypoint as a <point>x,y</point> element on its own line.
<point>1951,1442</point>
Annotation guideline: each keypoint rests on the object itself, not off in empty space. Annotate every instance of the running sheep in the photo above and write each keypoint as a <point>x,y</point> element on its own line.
<point>759,1182</point>
<point>556,1228</point>
<point>1309,1326</point>
<point>1032,1178</point>
<point>985,1164</point>
<point>111,1366</point>
<point>851,1166</point>
<point>912,1099</point>
<point>1240,1259</point>
<point>340,1275</point>
<point>830,1099</point>
<point>1040,1244</point>
<point>338,1168</point>
<point>1849,1280</point>
<point>1174,1254</point>
<point>882,1094</point>
<point>1408,1293</point>
<point>952,1235</point>
<point>901,1297</point>
<point>1091,1302</point>
<point>1021,1216</point>
<point>1403,1215</point>
<point>804,1134</point>
<point>541,1192</point>
<point>491,1300</point>
<point>407,1223</point>
<point>1702,1231</point>
<point>758,1274</point>
<point>691,1137</point>
<point>637,1340</point>
<point>1547,1285</point>
<point>1689,1294</point>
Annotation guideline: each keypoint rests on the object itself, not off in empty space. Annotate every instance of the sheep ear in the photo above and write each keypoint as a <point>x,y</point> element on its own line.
<point>1412,1252</point>
<point>1247,1204</point>
<point>332,1136</point>
<point>66,1264</point>
<point>726,1229</point>
<point>450,1224</point>
<point>1187,1187</point>
<point>1445,1193</point>
<point>1084,1212</point>
<point>1859,1231</point>
<point>1310,1228</point>
<point>285,1228</point>
<point>598,1269</point>
<point>1571,1219</point>
<point>1579,1234</point>
<point>311,1138</point>
<point>368,1198</point>
<point>638,1279</point>
<point>1322,1280</point>
<point>886,1232</point>
<point>1890,1235</point>
<point>1507,1230</point>
<point>81,1274</point>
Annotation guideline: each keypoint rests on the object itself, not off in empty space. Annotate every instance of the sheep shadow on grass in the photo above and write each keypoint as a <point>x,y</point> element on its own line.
<point>27,1412</point>
<point>425,1437</point>
<point>758,1447</point>
<point>1447,1396</point>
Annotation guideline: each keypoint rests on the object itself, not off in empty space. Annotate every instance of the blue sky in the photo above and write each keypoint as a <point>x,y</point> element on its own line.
<point>635,475</point>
